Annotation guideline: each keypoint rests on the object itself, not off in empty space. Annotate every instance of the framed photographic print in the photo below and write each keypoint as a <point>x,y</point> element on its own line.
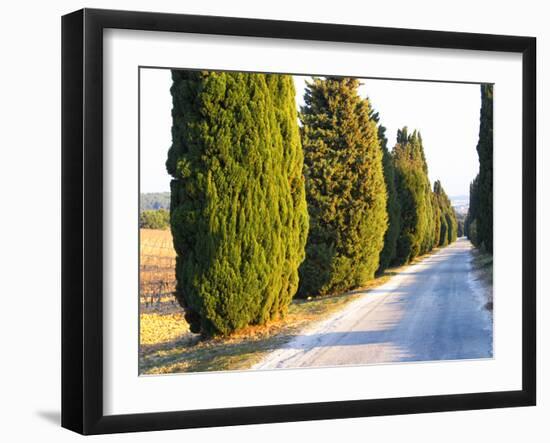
<point>269,221</point>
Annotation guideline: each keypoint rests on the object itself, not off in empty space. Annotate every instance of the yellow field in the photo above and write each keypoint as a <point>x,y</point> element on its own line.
<point>158,328</point>
<point>156,242</point>
<point>157,266</point>
<point>161,317</point>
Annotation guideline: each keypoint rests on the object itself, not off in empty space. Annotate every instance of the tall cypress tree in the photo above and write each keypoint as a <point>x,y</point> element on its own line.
<point>478,225</point>
<point>345,188</point>
<point>293,210</point>
<point>238,214</point>
<point>485,153</point>
<point>392,204</point>
<point>412,187</point>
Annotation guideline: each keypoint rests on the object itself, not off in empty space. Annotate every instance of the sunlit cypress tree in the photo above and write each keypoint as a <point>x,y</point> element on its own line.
<point>415,201</point>
<point>291,183</point>
<point>238,213</point>
<point>345,188</point>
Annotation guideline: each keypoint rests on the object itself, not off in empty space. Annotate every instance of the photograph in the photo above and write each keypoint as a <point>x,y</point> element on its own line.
<point>302,221</point>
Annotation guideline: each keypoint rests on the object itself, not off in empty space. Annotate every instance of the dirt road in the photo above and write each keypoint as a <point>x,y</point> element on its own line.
<point>432,310</point>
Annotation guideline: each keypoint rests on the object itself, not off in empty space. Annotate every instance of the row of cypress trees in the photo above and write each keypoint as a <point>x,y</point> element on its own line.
<point>263,208</point>
<point>478,225</point>
<point>427,219</point>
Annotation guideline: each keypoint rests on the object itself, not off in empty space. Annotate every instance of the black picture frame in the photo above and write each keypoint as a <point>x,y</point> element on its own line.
<point>82,220</point>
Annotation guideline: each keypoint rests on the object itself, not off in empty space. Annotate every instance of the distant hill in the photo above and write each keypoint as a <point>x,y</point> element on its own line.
<point>460,203</point>
<point>161,200</point>
<point>154,200</point>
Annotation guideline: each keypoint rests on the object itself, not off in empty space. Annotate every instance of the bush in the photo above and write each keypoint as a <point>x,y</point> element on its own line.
<point>154,219</point>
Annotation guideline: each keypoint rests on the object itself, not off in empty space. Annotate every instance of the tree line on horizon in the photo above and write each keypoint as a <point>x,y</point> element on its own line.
<point>264,209</point>
<point>154,219</point>
<point>478,225</point>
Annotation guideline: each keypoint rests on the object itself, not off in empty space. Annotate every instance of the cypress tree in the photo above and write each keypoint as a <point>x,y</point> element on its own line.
<point>485,184</point>
<point>293,210</point>
<point>471,223</point>
<point>442,203</point>
<point>437,215</point>
<point>345,188</point>
<point>452,225</point>
<point>412,187</point>
<point>393,208</point>
<point>238,214</point>
<point>478,225</point>
<point>447,216</point>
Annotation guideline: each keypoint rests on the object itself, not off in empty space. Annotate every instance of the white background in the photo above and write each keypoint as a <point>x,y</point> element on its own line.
<point>30,183</point>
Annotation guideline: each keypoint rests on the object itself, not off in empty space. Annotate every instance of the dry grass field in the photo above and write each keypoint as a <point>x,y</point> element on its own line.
<point>161,318</point>
<point>157,264</point>
<point>156,242</point>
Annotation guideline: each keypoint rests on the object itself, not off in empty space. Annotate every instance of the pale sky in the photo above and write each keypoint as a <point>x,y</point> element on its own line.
<point>447,115</point>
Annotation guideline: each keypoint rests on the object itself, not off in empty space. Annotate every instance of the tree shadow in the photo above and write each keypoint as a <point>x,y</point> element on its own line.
<point>347,338</point>
<point>210,355</point>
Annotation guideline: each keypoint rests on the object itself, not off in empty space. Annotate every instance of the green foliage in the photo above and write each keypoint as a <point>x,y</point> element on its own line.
<point>154,219</point>
<point>238,210</point>
<point>345,187</point>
